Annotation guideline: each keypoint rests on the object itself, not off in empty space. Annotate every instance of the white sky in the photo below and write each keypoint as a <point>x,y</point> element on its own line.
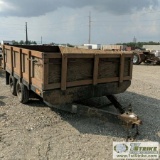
<point>67,21</point>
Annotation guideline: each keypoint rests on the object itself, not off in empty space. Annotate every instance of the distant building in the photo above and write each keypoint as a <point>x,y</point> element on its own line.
<point>151,47</point>
<point>114,47</point>
<point>89,46</point>
<point>93,46</point>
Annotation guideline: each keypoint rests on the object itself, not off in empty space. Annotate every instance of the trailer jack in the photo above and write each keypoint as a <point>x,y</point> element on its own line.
<point>130,119</point>
<point>127,117</point>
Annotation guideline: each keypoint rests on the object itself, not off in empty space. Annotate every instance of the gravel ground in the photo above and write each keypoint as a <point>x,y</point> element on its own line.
<point>36,132</point>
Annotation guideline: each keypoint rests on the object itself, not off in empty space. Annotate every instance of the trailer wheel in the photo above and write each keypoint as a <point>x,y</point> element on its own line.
<point>12,85</point>
<point>22,92</point>
<point>136,59</point>
<point>7,78</point>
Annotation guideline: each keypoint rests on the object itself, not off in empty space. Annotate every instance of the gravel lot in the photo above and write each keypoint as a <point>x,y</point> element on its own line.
<point>36,132</point>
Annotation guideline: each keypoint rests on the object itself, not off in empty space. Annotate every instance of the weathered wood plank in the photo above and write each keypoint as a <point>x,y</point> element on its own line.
<point>11,59</point>
<point>106,80</point>
<point>4,58</point>
<point>80,69</point>
<point>25,76</point>
<point>108,67</point>
<point>131,66</point>
<point>95,73</point>
<point>38,68</point>
<point>25,51</point>
<point>32,67</point>
<point>127,78</point>
<point>16,49</point>
<point>64,72</point>
<point>52,55</point>
<point>7,47</point>
<point>29,66</point>
<point>37,54</point>
<point>80,55</point>
<point>36,83</point>
<point>20,62</point>
<point>79,83</point>
<point>121,71</point>
<point>54,66</point>
<point>23,62</point>
<point>52,86</point>
<point>126,66</point>
<point>109,55</point>
<point>45,72</point>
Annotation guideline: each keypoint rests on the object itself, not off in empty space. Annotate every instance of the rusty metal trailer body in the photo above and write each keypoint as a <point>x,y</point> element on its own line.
<point>63,75</point>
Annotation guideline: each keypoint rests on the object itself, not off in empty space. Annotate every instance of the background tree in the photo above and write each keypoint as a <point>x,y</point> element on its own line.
<point>139,44</point>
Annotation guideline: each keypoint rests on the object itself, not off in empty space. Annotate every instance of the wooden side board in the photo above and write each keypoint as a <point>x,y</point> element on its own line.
<point>47,70</point>
<point>1,59</point>
<point>21,62</point>
<point>71,70</point>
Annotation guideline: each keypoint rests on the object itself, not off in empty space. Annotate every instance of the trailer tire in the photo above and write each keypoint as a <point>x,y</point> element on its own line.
<point>22,92</point>
<point>7,78</point>
<point>136,59</point>
<point>12,85</point>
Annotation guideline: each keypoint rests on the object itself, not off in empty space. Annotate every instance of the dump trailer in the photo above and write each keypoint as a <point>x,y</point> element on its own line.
<point>64,76</point>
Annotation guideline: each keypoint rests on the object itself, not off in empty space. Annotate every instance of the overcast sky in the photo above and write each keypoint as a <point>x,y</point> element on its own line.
<point>67,21</point>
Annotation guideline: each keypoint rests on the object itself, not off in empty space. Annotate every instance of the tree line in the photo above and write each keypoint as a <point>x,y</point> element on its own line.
<point>139,44</point>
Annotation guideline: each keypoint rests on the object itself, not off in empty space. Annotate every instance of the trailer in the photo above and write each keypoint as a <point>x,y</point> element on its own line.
<point>64,76</point>
<point>148,57</point>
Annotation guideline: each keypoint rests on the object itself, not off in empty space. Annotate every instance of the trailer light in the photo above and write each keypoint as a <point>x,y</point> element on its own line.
<point>38,91</point>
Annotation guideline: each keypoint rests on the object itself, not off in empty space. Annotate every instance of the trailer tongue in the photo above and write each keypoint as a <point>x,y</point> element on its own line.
<point>125,115</point>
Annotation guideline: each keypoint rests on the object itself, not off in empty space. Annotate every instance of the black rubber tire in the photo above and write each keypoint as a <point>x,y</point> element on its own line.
<point>136,59</point>
<point>22,92</point>
<point>12,85</point>
<point>7,78</point>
